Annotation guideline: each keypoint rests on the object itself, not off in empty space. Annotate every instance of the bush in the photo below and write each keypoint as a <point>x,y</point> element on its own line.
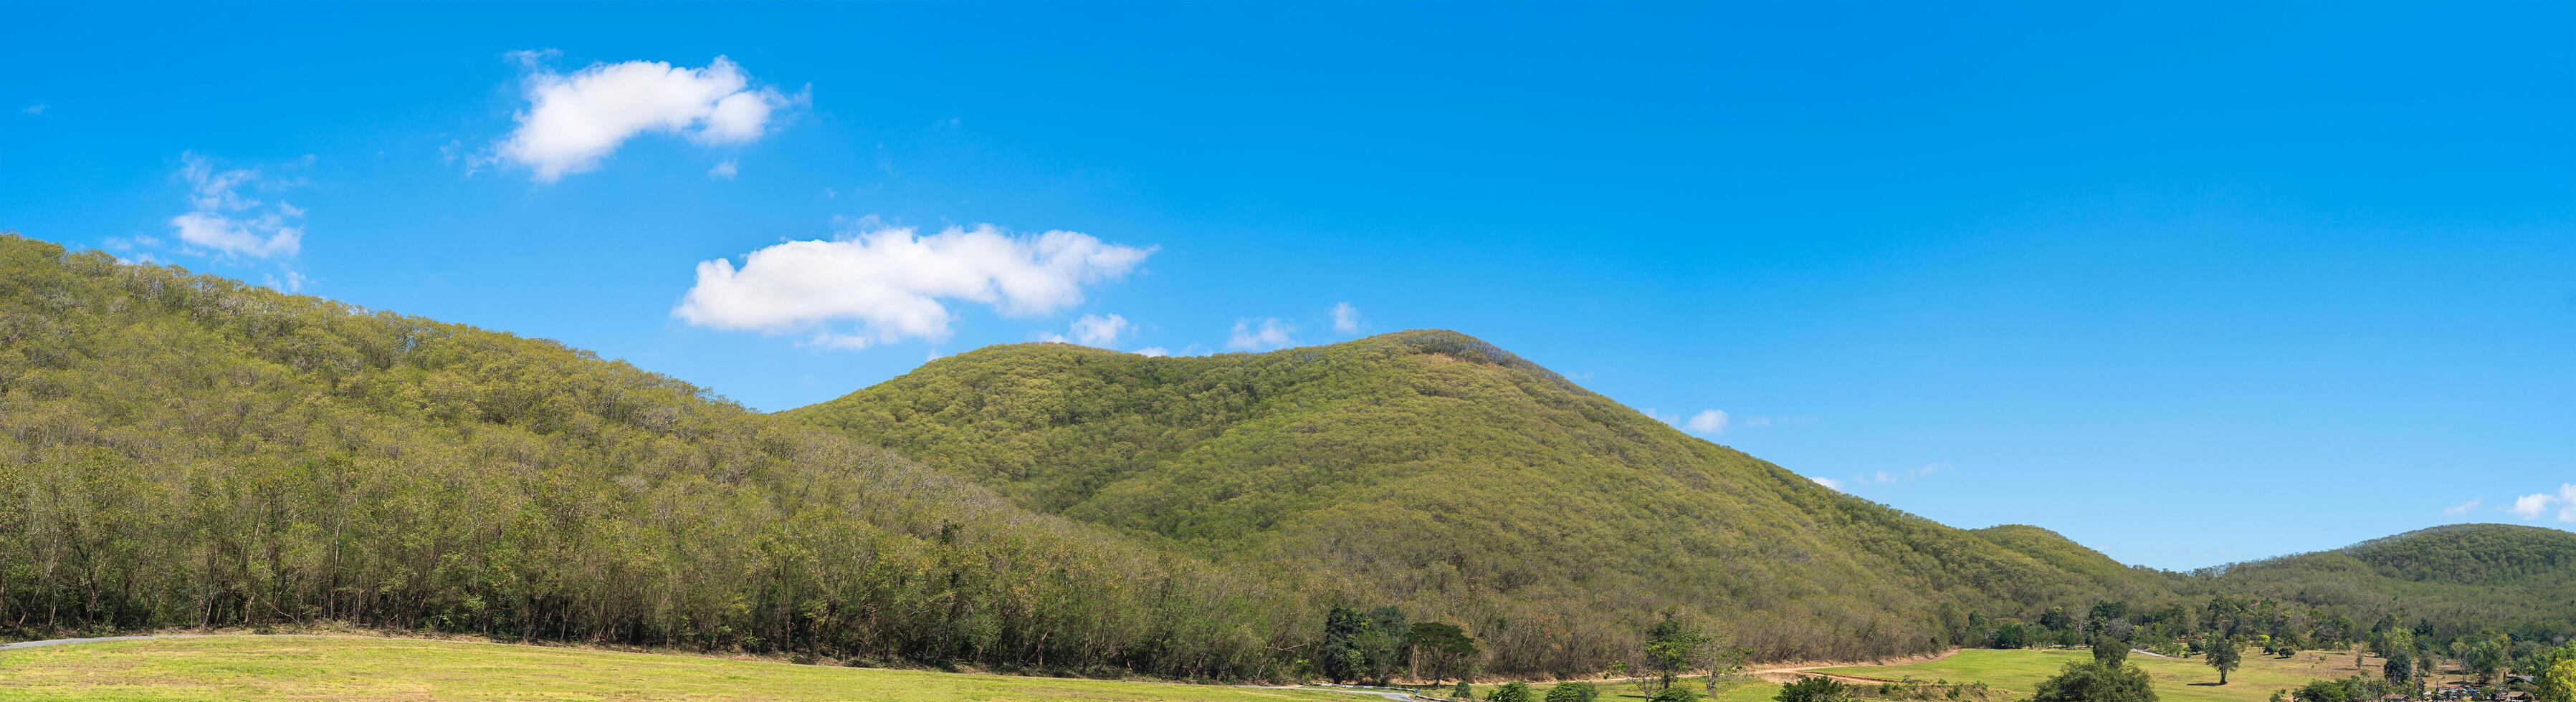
<point>1813,689</point>
<point>1511,692</point>
<point>1573,692</point>
<point>1675,693</point>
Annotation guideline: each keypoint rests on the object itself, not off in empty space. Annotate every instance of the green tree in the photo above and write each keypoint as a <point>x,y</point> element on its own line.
<point>1511,692</point>
<point>2557,682</point>
<point>1464,691</point>
<point>1386,644</point>
<point>1672,646</point>
<point>2488,658</point>
<point>2109,650</point>
<point>2399,668</point>
<point>2224,655</point>
<point>1813,689</point>
<point>1441,651</point>
<point>2097,682</point>
<point>1342,656</point>
<point>1573,692</point>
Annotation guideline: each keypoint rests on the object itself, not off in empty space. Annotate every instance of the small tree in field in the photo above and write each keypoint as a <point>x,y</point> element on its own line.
<point>1512,692</point>
<point>1464,691</point>
<point>2224,656</point>
<point>2097,682</point>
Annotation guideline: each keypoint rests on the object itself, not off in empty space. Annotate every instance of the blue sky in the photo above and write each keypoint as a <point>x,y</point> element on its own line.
<point>2190,284</point>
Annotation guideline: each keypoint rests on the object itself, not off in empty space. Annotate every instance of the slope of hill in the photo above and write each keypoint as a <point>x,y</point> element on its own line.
<point>1434,470</point>
<point>2456,579</point>
<point>2108,577</point>
<point>180,450</point>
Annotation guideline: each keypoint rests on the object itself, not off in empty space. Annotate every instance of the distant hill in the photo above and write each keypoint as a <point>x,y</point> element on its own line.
<point>1434,470</point>
<point>2455,579</point>
<point>184,450</point>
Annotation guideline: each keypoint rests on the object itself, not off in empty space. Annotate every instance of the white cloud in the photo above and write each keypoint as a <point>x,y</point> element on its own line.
<point>1346,319</point>
<point>1153,352</point>
<point>887,284</point>
<point>35,109</point>
<point>2567,502</point>
<point>1092,330</point>
<point>1828,482</point>
<point>2530,506</point>
<point>221,218</point>
<point>1096,330</point>
<point>2464,507</point>
<point>1708,421</point>
<point>574,121</point>
<point>1916,473</point>
<point>724,169</point>
<point>1270,333</point>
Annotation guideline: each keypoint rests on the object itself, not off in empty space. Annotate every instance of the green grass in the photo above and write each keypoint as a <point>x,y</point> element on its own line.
<point>1747,690</point>
<point>2014,673</point>
<point>350,667</point>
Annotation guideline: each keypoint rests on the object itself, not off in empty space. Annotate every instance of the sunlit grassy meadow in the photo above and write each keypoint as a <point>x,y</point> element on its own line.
<point>347,667</point>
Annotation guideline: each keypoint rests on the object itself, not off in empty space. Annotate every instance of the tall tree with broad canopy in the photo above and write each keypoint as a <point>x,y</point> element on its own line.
<point>2224,656</point>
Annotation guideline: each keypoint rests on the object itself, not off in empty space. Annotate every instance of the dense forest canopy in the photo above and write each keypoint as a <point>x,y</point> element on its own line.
<point>185,450</point>
<point>1434,470</point>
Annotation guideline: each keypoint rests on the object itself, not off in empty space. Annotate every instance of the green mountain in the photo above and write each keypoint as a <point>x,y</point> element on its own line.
<point>182,450</point>
<point>1433,470</point>
<point>2454,580</point>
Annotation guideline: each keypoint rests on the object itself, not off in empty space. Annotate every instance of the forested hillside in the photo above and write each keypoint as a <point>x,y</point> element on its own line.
<point>2447,581</point>
<point>182,450</point>
<point>1432,470</point>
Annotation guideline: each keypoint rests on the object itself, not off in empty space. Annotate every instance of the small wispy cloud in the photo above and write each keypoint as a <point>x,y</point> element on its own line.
<point>1265,334</point>
<point>1916,473</point>
<point>35,109</point>
<point>224,216</point>
<point>1346,319</point>
<point>2464,508</point>
<point>724,169</point>
<point>1093,330</point>
<point>1837,485</point>
<point>1708,421</point>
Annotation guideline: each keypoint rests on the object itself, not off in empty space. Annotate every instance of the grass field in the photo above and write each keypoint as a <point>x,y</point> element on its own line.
<point>1739,691</point>
<point>353,667</point>
<point>2014,673</point>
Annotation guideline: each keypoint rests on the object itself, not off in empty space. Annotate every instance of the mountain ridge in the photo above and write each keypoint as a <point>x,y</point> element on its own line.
<point>1461,479</point>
